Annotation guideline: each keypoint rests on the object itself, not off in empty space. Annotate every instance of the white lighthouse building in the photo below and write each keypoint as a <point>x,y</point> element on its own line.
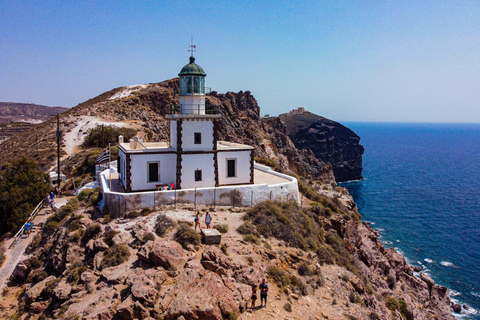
<point>193,158</point>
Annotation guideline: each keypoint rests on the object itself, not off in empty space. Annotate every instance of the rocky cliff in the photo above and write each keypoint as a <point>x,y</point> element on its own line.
<point>330,141</point>
<point>27,112</point>
<point>144,107</point>
<point>321,262</point>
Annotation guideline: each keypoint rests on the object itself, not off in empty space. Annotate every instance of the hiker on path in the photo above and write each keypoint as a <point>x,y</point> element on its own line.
<point>254,295</point>
<point>208,220</point>
<point>197,221</point>
<point>27,229</point>
<point>263,293</point>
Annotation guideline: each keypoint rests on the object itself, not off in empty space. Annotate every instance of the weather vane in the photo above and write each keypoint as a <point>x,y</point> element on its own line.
<point>192,47</point>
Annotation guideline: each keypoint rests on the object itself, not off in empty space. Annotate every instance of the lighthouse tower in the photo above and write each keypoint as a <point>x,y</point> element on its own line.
<point>192,132</point>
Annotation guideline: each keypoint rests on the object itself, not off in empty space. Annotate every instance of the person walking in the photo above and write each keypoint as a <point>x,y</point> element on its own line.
<point>208,220</point>
<point>263,293</point>
<point>27,228</point>
<point>254,296</point>
<point>197,221</point>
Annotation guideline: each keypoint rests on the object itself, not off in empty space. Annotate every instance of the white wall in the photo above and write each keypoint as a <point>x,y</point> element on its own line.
<point>243,195</point>
<point>123,165</point>
<point>189,127</point>
<point>195,102</point>
<point>168,163</point>
<point>193,162</point>
<point>173,133</point>
<point>243,167</point>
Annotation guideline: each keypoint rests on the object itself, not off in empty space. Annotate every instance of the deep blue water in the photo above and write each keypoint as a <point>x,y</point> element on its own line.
<point>421,190</point>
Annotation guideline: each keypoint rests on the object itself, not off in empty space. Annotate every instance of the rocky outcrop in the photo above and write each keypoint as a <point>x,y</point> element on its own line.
<point>330,141</point>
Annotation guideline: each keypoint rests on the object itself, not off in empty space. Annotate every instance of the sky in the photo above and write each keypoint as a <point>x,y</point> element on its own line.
<point>362,61</point>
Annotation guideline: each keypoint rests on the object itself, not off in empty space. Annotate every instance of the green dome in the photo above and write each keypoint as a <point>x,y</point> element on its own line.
<point>192,69</point>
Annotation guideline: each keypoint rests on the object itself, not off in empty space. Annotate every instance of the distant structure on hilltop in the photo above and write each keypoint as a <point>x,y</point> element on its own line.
<point>193,158</point>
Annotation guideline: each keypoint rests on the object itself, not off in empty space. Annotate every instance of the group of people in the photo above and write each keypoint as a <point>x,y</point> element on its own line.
<point>51,198</point>
<point>208,220</point>
<point>263,294</point>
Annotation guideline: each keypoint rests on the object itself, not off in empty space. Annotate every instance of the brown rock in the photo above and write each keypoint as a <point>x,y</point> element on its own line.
<point>200,294</point>
<point>34,292</point>
<point>122,238</point>
<point>88,277</point>
<point>100,245</point>
<point>21,270</point>
<point>114,275</point>
<point>209,265</point>
<point>62,290</point>
<point>168,254</point>
<point>141,286</point>
<point>38,307</point>
<point>457,308</point>
<point>429,281</point>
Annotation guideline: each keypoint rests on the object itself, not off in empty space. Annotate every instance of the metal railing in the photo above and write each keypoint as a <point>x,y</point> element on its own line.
<point>194,109</point>
<point>22,229</point>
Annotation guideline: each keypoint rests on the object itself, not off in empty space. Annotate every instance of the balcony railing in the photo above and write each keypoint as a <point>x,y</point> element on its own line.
<point>194,109</point>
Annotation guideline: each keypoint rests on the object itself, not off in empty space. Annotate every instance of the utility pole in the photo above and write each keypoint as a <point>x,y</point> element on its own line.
<point>58,150</point>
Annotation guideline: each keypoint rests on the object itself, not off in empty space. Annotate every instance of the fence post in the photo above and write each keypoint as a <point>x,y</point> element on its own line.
<point>251,200</point>
<point>125,213</point>
<point>233,198</point>
<point>195,197</point>
<point>214,197</point>
<point>154,206</point>
<point>270,195</point>
<point>175,198</point>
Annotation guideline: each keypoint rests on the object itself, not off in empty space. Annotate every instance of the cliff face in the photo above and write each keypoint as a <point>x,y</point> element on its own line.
<point>330,141</point>
<point>82,267</point>
<point>27,112</point>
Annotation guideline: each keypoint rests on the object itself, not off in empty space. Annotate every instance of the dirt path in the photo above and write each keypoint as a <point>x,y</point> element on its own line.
<point>14,255</point>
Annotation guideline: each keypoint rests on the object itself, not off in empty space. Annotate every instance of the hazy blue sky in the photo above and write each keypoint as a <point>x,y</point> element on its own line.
<point>345,60</point>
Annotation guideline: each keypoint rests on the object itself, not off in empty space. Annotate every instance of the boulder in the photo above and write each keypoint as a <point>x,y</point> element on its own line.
<point>88,277</point>
<point>100,245</point>
<point>122,238</point>
<point>457,308</point>
<point>114,275</point>
<point>200,294</point>
<point>168,254</point>
<point>139,231</point>
<point>34,292</point>
<point>141,286</point>
<point>62,290</point>
<point>428,280</point>
<point>39,307</point>
<point>21,271</point>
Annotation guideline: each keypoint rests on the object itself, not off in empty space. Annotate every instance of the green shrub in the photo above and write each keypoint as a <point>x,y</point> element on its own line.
<point>95,197</point>
<point>2,255</point>
<point>108,237</point>
<point>251,238</point>
<point>84,194</point>
<point>91,231</point>
<point>224,248</point>
<point>51,225</point>
<point>186,235</point>
<point>77,235</point>
<point>250,261</point>
<point>268,162</point>
<point>163,224</point>
<point>148,237</point>
<point>145,212</point>
<point>222,228</point>
<point>74,203</point>
<point>73,275</point>
<point>115,255</point>
<point>278,275</point>
<point>304,269</point>
<point>248,228</point>
<point>133,214</point>
<point>102,135</point>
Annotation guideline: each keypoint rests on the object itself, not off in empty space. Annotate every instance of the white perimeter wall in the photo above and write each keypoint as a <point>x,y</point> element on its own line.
<point>189,127</point>
<point>193,162</point>
<point>243,167</point>
<point>244,195</point>
<point>168,163</point>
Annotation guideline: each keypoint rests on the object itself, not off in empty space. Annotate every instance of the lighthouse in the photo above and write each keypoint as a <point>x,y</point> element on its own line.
<point>193,157</point>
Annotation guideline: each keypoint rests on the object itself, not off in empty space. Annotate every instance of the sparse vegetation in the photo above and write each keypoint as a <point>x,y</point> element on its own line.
<point>285,280</point>
<point>163,224</point>
<point>101,135</point>
<point>91,231</point>
<point>400,305</point>
<point>115,255</point>
<point>222,228</point>
<point>185,235</point>
<point>251,238</point>
<point>108,237</point>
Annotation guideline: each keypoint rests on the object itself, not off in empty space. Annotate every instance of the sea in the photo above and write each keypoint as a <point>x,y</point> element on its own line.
<point>421,191</point>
